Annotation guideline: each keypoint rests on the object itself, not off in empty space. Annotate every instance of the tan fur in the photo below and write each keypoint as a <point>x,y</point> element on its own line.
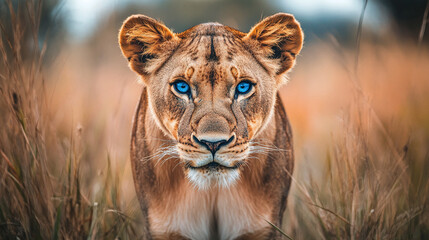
<point>181,197</point>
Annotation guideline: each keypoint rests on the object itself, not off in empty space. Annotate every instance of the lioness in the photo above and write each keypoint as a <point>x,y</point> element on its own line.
<point>211,146</point>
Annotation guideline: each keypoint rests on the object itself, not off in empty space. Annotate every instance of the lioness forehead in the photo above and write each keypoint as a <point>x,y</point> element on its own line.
<point>210,29</point>
<point>212,42</point>
<point>215,52</point>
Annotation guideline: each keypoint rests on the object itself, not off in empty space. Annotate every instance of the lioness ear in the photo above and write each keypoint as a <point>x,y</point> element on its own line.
<point>280,37</point>
<point>141,39</point>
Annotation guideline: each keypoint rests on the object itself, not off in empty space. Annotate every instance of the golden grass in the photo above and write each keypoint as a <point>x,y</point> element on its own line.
<point>363,170</point>
<point>42,192</point>
<point>361,140</point>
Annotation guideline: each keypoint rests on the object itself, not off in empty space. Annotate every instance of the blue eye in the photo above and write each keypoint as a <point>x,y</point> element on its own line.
<point>181,87</point>
<point>244,87</point>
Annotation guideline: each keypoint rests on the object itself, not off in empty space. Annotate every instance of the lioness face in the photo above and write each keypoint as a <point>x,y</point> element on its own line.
<point>213,102</point>
<point>211,88</point>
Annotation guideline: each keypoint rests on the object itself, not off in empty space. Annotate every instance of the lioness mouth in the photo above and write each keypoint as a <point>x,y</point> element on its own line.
<point>213,166</point>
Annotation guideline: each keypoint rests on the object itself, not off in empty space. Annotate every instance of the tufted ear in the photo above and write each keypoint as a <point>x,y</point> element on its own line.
<point>280,38</point>
<point>142,40</point>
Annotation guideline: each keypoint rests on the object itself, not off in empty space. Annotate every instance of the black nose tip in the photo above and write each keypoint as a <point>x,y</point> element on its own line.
<point>213,146</point>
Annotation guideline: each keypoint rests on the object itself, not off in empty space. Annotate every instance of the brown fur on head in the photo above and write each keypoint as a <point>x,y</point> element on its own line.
<point>212,123</point>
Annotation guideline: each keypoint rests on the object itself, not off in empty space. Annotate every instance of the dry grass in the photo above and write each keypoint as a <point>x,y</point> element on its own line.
<point>41,188</point>
<point>361,140</point>
<point>364,173</point>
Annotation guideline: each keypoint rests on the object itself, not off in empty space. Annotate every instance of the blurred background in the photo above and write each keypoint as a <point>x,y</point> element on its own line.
<point>357,100</point>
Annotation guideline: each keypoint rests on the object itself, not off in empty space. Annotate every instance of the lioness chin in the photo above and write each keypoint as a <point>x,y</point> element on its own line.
<point>211,146</point>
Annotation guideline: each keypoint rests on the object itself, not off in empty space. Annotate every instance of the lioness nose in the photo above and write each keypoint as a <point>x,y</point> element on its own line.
<point>213,146</point>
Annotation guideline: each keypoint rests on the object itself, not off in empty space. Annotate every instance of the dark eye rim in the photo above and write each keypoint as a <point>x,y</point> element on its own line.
<point>174,84</point>
<point>251,85</point>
